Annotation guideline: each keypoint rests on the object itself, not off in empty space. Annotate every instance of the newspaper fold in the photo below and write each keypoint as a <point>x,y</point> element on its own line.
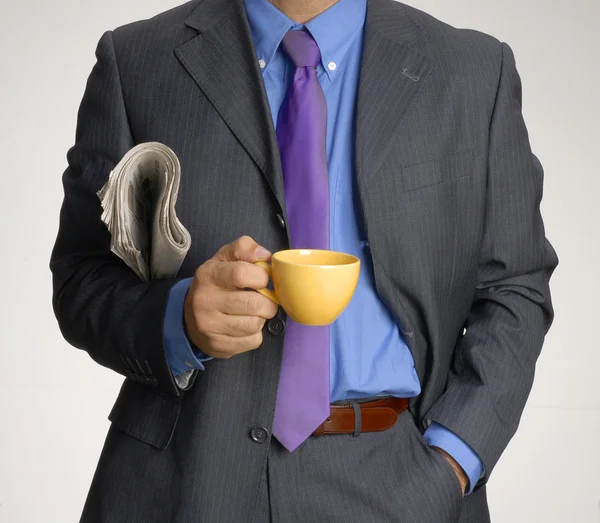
<point>138,203</point>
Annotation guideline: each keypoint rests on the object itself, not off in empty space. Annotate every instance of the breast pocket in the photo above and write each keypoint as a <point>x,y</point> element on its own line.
<point>440,170</point>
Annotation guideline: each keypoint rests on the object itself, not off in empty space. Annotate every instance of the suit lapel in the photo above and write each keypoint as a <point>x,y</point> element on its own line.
<point>222,61</point>
<point>392,74</point>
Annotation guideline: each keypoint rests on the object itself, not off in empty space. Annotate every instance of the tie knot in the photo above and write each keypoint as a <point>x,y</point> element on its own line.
<point>302,49</point>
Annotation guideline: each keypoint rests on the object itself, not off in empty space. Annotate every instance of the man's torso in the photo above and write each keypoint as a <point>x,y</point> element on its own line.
<point>425,99</point>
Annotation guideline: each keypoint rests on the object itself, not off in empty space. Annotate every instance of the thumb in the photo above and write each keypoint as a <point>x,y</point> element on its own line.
<point>243,249</point>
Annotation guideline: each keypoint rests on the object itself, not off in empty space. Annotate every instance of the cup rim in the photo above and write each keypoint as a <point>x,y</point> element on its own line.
<point>353,259</point>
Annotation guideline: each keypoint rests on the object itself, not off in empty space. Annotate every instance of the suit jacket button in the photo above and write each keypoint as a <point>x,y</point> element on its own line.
<point>276,327</point>
<point>281,221</point>
<point>259,435</point>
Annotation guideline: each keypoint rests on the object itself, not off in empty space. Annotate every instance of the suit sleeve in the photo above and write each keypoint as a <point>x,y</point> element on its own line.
<point>184,360</point>
<point>437,435</point>
<point>101,305</point>
<point>493,365</point>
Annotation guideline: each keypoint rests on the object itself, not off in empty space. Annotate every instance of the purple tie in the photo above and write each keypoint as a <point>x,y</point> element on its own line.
<point>303,395</point>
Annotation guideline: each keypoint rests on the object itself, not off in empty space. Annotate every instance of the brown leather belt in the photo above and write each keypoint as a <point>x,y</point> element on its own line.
<point>368,416</point>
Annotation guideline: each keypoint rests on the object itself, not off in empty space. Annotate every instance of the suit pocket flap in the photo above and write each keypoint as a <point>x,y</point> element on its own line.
<point>437,171</point>
<point>145,414</point>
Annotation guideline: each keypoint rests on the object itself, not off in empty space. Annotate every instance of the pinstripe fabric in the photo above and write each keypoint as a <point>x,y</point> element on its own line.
<point>390,476</point>
<point>449,191</point>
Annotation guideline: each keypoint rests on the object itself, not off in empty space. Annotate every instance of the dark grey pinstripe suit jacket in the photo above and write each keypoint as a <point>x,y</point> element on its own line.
<point>450,193</point>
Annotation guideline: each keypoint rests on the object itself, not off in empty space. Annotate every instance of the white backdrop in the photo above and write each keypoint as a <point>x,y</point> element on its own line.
<point>54,400</point>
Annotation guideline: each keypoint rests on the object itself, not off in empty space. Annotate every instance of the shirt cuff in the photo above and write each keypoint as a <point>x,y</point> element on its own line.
<point>439,436</point>
<point>180,354</point>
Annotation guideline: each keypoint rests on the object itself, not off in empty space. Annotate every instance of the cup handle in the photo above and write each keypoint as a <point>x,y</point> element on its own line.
<point>267,292</point>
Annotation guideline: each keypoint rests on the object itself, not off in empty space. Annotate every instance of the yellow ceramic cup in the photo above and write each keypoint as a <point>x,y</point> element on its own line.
<point>313,286</point>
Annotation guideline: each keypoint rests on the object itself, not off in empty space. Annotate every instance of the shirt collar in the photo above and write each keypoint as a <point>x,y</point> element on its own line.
<point>334,30</point>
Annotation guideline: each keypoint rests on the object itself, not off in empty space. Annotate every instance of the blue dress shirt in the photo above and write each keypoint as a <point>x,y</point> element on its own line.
<point>369,357</point>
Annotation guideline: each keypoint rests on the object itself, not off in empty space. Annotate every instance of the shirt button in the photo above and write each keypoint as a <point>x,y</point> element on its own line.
<point>259,435</point>
<point>262,63</point>
<point>281,221</point>
<point>332,66</point>
<point>276,327</point>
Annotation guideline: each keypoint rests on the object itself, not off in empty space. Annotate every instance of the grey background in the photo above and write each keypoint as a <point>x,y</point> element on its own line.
<point>52,427</point>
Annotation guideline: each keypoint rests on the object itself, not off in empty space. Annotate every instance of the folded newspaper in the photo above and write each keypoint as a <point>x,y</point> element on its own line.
<point>138,203</point>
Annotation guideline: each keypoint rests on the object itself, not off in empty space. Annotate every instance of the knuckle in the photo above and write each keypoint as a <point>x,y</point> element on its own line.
<point>261,276</point>
<point>227,302</point>
<point>256,323</point>
<point>256,340</point>
<point>239,275</point>
<point>205,272</point>
<point>231,302</point>
<point>242,245</point>
<point>252,304</point>
<point>245,241</point>
<point>222,253</point>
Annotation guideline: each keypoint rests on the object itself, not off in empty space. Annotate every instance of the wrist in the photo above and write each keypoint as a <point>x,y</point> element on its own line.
<point>188,316</point>
<point>458,470</point>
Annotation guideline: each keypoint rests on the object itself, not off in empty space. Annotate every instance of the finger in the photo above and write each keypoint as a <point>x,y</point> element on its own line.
<point>243,249</point>
<point>248,303</point>
<point>223,346</point>
<point>240,326</point>
<point>239,275</point>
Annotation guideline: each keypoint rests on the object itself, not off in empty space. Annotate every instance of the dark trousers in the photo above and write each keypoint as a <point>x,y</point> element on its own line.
<point>390,476</point>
